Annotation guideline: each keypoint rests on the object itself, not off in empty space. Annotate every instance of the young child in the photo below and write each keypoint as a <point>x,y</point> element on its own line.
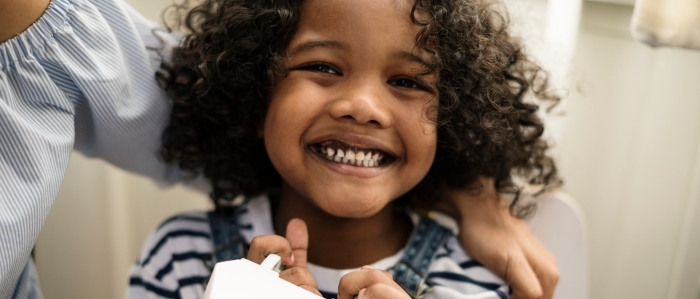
<point>346,117</point>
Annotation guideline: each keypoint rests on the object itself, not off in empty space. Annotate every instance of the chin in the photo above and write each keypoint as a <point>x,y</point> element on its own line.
<point>356,206</point>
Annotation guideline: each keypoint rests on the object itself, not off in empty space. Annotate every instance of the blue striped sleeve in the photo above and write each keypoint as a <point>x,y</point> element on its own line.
<point>80,77</point>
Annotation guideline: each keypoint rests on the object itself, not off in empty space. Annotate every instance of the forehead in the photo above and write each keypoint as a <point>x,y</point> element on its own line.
<point>359,23</point>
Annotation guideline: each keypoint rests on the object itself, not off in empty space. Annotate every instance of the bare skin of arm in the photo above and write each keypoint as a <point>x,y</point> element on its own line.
<point>17,15</point>
<point>501,242</point>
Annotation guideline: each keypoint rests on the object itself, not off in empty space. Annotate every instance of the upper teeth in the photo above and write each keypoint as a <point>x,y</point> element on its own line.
<point>356,157</point>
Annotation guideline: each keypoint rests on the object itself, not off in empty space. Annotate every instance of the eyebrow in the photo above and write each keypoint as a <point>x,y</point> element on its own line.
<point>310,45</point>
<point>413,57</point>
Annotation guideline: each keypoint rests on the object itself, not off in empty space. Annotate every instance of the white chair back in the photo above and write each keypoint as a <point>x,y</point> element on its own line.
<point>559,225</point>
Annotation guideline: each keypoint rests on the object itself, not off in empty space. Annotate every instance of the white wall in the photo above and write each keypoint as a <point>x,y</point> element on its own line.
<point>628,154</point>
<point>628,146</point>
<point>151,9</point>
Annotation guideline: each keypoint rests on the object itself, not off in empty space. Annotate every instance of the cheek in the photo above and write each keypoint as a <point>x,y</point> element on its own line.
<point>423,147</point>
<point>292,101</point>
<point>286,112</point>
<point>420,136</point>
<point>291,111</point>
<point>279,127</point>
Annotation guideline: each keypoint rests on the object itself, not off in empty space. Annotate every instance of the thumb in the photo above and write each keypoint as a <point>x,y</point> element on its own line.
<point>298,238</point>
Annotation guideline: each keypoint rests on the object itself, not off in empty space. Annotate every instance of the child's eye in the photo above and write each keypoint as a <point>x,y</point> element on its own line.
<point>322,68</point>
<point>406,83</point>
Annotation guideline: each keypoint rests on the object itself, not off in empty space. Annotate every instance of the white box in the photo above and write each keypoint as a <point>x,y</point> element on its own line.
<point>245,279</point>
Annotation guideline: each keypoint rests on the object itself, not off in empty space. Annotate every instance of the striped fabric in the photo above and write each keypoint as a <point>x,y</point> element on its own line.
<point>80,77</point>
<point>171,264</point>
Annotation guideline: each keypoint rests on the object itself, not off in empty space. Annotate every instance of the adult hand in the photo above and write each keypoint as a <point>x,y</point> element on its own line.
<point>502,242</point>
<point>293,250</point>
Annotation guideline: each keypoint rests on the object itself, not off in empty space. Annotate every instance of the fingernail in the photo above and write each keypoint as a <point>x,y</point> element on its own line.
<point>366,267</point>
<point>362,293</point>
<point>292,258</point>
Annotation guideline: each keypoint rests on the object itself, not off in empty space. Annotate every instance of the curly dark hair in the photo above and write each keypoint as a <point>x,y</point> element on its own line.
<point>220,76</point>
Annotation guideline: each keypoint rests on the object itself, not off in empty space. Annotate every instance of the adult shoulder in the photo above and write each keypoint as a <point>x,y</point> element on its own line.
<point>17,15</point>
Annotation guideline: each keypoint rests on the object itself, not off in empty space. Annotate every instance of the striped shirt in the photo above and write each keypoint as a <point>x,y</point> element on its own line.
<point>171,264</point>
<point>80,77</point>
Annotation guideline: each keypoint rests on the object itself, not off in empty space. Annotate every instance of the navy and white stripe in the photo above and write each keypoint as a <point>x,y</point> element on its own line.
<point>80,77</point>
<point>171,264</point>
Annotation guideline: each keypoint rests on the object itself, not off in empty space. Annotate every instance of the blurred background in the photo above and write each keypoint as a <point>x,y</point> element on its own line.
<point>626,139</point>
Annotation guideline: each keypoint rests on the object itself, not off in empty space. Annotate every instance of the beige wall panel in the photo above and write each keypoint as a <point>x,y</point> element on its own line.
<point>633,130</point>
<point>97,226</point>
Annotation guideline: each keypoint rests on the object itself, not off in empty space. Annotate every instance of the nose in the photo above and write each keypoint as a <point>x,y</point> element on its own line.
<point>364,102</point>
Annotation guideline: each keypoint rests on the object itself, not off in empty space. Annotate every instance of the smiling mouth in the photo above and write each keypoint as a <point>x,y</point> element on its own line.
<point>343,153</point>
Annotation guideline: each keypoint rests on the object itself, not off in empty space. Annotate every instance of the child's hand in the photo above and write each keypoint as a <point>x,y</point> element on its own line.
<point>370,283</point>
<point>293,251</point>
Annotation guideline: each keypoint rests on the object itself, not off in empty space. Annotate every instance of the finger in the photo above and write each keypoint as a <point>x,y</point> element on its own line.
<point>387,273</point>
<point>298,276</point>
<point>262,246</point>
<point>382,291</point>
<point>521,277</point>
<point>298,237</point>
<point>301,277</point>
<point>352,283</point>
<point>542,262</point>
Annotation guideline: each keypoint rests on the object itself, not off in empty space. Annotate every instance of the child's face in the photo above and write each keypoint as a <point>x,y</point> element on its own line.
<point>352,87</point>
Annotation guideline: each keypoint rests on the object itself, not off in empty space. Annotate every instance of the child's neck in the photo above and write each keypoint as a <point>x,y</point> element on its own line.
<point>343,243</point>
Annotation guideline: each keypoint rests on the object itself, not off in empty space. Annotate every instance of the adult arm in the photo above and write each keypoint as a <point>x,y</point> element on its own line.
<point>20,178</point>
<point>503,243</point>
<point>79,77</point>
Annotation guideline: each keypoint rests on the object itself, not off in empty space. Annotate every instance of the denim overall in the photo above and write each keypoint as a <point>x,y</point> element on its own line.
<point>410,272</point>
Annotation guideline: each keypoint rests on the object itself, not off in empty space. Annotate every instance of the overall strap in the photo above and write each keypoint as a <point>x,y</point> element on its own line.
<point>412,270</point>
<point>228,241</point>
<point>226,237</point>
